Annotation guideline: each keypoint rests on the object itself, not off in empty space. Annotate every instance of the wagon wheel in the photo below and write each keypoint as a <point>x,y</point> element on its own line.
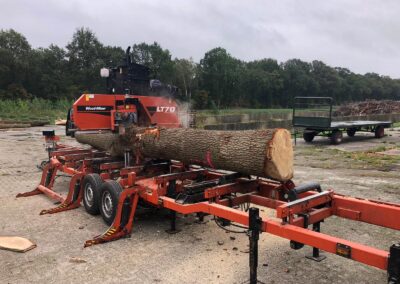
<point>91,193</point>
<point>308,136</point>
<point>336,137</point>
<point>379,131</point>
<point>110,192</point>
<point>351,132</point>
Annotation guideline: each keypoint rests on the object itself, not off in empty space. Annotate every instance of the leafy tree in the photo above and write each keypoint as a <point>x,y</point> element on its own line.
<point>157,59</point>
<point>52,72</point>
<point>297,81</point>
<point>326,80</point>
<point>14,68</point>
<point>185,76</point>
<point>218,81</point>
<point>200,99</point>
<point>14,42</point>
<point>220,75</point>
<point>85,54</point>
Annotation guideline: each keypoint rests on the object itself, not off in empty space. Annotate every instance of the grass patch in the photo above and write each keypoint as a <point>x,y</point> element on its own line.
<point>396,124</point>
<point>376,159</point>
<point>318,157</point>
<point>35,109</point>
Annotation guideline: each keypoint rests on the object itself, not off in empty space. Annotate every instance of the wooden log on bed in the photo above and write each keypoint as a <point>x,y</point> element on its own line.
<point>263,153</point>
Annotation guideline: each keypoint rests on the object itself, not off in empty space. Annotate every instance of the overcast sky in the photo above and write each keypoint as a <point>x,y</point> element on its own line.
<point>363,36</point>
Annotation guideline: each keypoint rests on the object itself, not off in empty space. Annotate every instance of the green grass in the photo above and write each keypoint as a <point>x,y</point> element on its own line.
<point>334,158</point>
<point>35,109</point>
<point>396,124</point>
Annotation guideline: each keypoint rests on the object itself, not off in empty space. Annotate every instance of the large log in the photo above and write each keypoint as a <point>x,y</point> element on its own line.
<point>263,153</point>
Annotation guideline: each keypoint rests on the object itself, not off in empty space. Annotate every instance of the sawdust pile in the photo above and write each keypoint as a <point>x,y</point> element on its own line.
<point>368,107</point>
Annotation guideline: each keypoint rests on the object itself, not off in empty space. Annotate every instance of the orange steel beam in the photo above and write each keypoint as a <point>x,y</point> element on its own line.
<point>361,253</point>
<point>313,217</point>
<point>50,193</point>
<point>231,188</point>
<point>368,211</point>
<point>303,204</point>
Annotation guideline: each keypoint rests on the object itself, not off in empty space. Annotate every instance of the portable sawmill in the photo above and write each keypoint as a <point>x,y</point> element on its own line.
<point>115,186</point>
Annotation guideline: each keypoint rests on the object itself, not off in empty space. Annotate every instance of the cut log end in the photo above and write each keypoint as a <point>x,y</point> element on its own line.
<point>279,156</point>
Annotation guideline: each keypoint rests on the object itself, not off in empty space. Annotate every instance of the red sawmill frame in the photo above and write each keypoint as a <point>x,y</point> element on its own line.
<point>195,189</point>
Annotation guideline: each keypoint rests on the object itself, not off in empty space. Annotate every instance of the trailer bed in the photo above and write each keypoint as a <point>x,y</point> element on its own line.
<point>358,123</point>
<point>314,115</point>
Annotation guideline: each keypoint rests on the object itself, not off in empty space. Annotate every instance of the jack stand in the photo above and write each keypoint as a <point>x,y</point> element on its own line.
<point>200,218</point>
<point>172,229</point>
<point>394,264</point>
<point>254,235</point>
<point>315,254</point>
<point>171,192</point>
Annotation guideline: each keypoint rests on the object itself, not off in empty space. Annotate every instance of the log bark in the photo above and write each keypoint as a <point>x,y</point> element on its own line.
<point>263,153</point>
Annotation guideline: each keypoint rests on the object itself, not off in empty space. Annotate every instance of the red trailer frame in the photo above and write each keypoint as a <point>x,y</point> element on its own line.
<point>177,187</point>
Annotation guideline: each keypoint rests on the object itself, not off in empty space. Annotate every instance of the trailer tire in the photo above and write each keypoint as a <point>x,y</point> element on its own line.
<point>379,131</point>
<point>91,193</point>
<point>351,132</point>
<point>308,136</point>
<point>110,192</point>
<point>336,137</point>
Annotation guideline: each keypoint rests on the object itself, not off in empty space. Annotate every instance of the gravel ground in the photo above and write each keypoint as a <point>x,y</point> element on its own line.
<point>193,255</point>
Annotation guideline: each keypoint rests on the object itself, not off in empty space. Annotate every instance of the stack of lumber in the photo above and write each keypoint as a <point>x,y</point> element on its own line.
<point>263,153</point>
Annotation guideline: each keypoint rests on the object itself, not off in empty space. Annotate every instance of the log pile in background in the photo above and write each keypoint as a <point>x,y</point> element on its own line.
<point>263,153</point>
<point>368,107</point>
<point>4,124</point>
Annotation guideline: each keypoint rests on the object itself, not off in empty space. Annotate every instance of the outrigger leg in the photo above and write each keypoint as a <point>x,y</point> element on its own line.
<point>46,184</point>
<point>73,199</point>
<point>122,226</point>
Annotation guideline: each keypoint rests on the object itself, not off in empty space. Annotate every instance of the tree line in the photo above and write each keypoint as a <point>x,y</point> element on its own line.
<point>219,80</point>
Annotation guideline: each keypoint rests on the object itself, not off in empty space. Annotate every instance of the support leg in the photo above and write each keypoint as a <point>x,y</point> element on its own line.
<point>46,184</point>
<point>171,192</point>
<point>73,199</point>
<point>315,254</point>
<point>172,229</point>
<point>118,230</point>
<point>200,218</point>
<point>254,234</point>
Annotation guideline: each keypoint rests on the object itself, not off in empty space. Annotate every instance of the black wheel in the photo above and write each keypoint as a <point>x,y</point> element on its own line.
<point>91,193</point>
<point>351,132</point>
<point>308,136</point>
<point>336,137</point>
<point>379,131</point>
<point>110,192</point>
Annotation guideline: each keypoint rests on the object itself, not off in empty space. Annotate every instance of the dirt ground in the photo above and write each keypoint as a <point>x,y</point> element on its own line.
<point>193,255</point>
